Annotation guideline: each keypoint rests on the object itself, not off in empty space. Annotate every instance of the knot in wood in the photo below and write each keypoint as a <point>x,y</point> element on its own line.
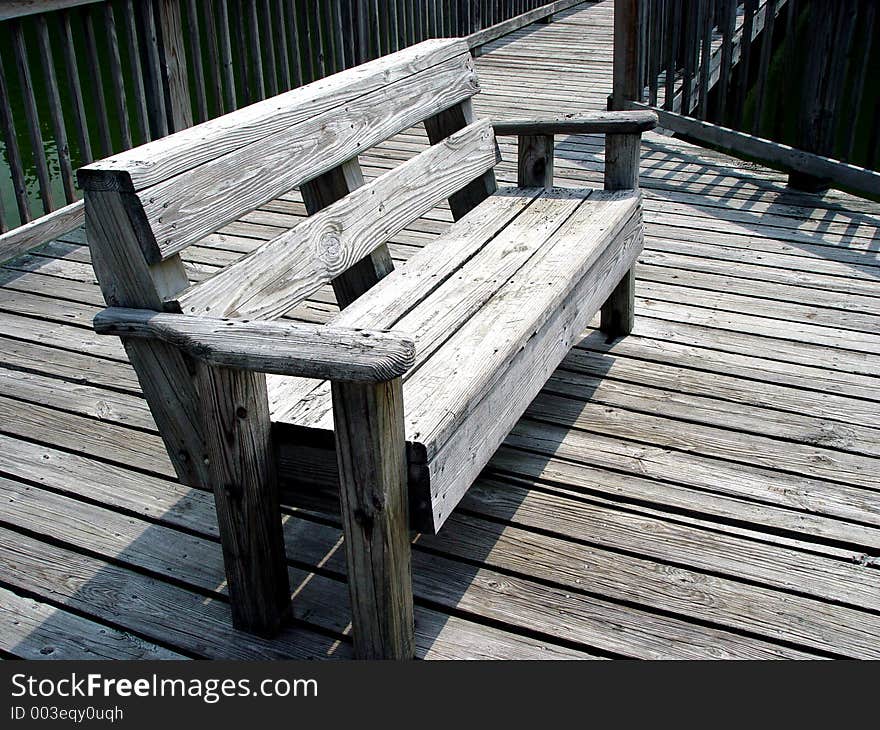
<point>364,519</point>
<point>330,246</point>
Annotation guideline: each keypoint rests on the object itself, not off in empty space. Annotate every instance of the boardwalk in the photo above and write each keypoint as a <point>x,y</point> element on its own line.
<point>709,487</point>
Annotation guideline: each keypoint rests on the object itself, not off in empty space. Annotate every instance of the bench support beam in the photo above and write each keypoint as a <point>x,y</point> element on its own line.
<point>439,127</point>
<point>621,173</point>
<point>371,454</point>
<point>326,189</point>
<point>241,467</point>
<point>193,417</point>
<point>535,161</point>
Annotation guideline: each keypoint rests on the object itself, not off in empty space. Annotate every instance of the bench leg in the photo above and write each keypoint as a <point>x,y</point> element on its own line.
<point>621,173</point>
<point>241,468</point>
<point>370,450</point>
<point>618,312</point>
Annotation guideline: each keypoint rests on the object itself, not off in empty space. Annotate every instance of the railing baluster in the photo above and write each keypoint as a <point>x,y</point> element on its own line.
<point>764,64</point>
<point>137,72</point>
<point>228,67</point>
<point>271,70</point>
<point>280,28</point>
<point>238,18</point>
<point>295,48</point>
<point>198,68</point>
<point>155,91</point>
<point>13,154</point>
<point>838,67</point>
<point>672,53</point>
<point>214,62</point>
<point>690,23</point>
<point>788,66</point>
<point>866,21</point>
<point>728,24</point>
<point>325,59</point>
<point>31,115</point>
<point>116,77</point>
<point>253,25</point>
<point>339,39</point>
<point>708,15</point>
<point>97,85</point>
<point>742,86</point>
<point>55,110</point>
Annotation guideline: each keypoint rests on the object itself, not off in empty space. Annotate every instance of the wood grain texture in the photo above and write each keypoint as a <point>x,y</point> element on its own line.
<point>461,441</point>
<point>327,189</point>
<point>433,296</point>
<point>287,348</point>
<point>40,231</point>
<point>631,513</point>
<point>185,208</point>
<point>41,631</point>
<point>372,468</point>
<point>535,161</point>
<point>164,375</point>
<point>191,148</point>
<point>241,467</point>
<point>484,348</point>
<point>285,270</point>
<point>442,125</point>
<point>622,152</point>
<point>615,122</point>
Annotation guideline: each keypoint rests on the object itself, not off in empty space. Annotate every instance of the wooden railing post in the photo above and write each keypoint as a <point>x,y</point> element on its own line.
<point>174,74</point>
<point>627,36</point>
<point>622,150</point>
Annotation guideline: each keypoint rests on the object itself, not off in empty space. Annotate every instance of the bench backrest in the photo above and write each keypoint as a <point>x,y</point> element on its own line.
<point>176,190</point>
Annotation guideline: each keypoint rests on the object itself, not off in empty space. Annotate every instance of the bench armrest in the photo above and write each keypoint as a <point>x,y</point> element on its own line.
<point>282,348</point>
<point>623,131</point>
<point>625,122</point>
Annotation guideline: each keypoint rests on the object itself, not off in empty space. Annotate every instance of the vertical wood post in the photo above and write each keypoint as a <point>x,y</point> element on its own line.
<point>370,451</point>
<point>214,422</point>
<point>173,57</point>
<point>439,127</point>
<point>627,36</point>
<point>327,189</point>
<point>241,469</point>
<point>535,161</point>
<point>622,151</point>
<point>621,173</point>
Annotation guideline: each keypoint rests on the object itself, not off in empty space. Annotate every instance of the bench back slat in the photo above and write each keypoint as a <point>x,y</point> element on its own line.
<point>287,269</point>
<point>193,182</point>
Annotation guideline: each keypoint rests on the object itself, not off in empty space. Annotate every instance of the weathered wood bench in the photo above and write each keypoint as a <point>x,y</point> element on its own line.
<point>396,405</point>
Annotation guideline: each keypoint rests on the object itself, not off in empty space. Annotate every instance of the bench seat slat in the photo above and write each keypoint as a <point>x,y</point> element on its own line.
<point>466,450</point>
<point>445,304</point>
<point>408,285</point>
<point>470,387</point>
<point>285,270</point>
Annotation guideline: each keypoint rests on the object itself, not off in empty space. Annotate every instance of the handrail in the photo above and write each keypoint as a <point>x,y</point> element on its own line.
<point>706,65</point>
<point>20,8</point>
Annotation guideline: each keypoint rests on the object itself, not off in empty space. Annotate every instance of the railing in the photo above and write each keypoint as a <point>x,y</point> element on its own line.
<point>81,79</point>
<point>783,82</point>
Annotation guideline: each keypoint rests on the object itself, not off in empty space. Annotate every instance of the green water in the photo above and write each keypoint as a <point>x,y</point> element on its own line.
<point>89,87</point>
<point>308,18</point>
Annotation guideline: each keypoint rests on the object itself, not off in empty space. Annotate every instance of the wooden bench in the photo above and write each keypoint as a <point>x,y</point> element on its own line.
<point>394,407</point>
